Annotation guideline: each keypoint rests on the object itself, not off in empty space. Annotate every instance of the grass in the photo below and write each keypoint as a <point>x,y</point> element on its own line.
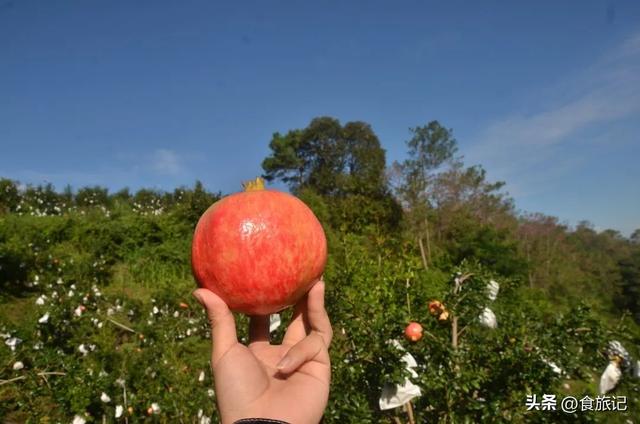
<point>15,311</point>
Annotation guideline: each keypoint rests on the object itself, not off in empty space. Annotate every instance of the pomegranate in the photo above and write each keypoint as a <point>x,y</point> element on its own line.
<point>413,331</point>
<point>259,250</point>
<point>435,307</point>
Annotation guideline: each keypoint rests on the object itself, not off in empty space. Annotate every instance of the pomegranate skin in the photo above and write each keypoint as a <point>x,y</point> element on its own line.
<point>413,331</point>
<point>260,251</point>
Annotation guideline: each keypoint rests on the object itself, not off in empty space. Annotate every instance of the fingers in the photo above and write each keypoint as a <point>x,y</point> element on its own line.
<point>317,314</point>
<point>309,314</point>
<point>310,348</point>
<point>259,329</point>
<point>299,326</point>
<point>223,324</point>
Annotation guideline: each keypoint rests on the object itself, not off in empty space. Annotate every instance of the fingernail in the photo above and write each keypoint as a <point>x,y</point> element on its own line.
<point>284,362</point>
<point>198,298</point>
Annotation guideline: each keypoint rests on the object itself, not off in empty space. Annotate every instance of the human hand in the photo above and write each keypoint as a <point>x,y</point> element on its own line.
<point>288,382</point>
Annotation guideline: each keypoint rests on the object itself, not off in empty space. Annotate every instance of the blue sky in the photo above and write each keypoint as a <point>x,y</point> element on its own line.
<point>545,95</point>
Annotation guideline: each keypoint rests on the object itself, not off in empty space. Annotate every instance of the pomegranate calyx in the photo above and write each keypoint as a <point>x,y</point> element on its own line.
<point>253,185</point>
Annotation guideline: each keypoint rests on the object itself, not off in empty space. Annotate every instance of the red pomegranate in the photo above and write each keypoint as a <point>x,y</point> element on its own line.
<point>413,331</point>
<point>259,250</point>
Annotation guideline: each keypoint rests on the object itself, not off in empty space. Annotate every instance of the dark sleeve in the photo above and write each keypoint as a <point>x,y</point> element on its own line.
<point>259,421</point>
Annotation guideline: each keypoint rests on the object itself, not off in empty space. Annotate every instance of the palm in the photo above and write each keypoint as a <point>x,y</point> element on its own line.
<point>248,379</point>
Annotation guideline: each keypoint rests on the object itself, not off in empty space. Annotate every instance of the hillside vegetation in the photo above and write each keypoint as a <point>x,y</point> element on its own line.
<point>95,292</point>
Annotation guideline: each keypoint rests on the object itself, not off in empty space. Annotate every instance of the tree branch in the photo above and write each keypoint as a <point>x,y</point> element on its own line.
<point>124,327</point>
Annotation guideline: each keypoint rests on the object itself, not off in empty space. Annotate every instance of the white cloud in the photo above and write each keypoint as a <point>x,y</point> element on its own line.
<point>630,47</point>
<point>166,162</point>
<point>77,179</point>
<point>554,125</point>
<point>517,145</point>
<point>148,169</point>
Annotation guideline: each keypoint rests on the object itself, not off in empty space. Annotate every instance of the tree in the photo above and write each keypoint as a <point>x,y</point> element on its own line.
<point>542,239</point>
<point>122,196</point>
<point>92,196</point>
<point>9,195</point>
<point>430,147</point>
<point>323,149</point>
<point>331,159</point>
<point>365,161</point>
<point>630,285</point>
<point>311,157</point>
<point>474,218</point>
<point>467,187</point>
<point>41,200</point>
<point>190,204</point>
<point>67,197</point>
<point>285,162</point>
<point>343,164</point>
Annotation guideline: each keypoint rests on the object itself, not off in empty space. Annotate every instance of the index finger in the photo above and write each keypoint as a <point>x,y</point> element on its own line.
<point>223,324</point>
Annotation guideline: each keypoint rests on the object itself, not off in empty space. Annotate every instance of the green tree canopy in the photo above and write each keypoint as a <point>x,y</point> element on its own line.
<point>330,158</point>
<point>430,147</point>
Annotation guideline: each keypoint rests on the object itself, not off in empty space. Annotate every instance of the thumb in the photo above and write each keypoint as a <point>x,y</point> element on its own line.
<point>223,324</point>
<point>311,348</point>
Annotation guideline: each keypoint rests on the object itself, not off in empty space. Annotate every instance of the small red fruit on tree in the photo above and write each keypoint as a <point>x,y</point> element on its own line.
<point>435,307</point>
<point>259,250</point>
<point>413,331</point>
